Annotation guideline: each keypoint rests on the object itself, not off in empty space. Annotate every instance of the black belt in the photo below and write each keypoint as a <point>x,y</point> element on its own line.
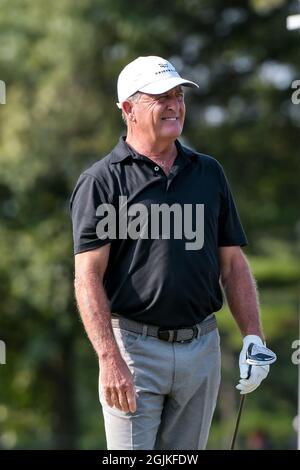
<point>177,335</point>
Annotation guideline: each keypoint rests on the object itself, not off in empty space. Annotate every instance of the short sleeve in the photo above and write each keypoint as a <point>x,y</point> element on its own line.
<point>88,195</point>
<point>230,229</point>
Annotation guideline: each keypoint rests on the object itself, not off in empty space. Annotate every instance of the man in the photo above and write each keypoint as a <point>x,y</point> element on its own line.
<point>147,293</point>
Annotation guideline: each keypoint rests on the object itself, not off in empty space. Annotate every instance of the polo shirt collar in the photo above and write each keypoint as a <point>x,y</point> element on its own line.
<point>122,151</point>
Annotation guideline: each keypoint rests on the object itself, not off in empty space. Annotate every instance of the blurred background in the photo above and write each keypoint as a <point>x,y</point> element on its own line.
<point>60,61</point>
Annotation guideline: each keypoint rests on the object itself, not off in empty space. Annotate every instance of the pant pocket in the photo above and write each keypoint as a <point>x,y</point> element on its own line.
<point>126,340</point>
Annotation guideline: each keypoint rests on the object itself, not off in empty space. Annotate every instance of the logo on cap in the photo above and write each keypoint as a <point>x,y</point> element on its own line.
<point>166,68</point>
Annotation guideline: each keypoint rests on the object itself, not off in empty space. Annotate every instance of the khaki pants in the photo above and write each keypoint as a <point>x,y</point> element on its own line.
<point>177,386</point>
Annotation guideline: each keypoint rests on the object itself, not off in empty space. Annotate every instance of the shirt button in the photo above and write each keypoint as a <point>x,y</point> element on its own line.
<point>156,168</point>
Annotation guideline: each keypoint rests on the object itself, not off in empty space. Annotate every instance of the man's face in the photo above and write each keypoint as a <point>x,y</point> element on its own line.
<point>160,117</point>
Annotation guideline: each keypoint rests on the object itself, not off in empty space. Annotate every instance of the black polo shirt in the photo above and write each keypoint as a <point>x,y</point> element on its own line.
<point>159,281</point>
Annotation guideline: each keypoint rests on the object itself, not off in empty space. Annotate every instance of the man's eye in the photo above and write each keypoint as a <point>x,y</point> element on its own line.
<point>162,98</point>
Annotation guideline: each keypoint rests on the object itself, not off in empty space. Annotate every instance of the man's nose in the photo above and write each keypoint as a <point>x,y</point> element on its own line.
<point>173,103</point>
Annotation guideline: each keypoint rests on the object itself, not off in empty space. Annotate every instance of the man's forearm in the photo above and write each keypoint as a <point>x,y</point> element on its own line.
<point>95,313</point>
<point>240,289</point>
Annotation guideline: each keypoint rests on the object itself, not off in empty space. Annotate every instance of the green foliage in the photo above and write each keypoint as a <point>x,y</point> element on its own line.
<point>60,62</point>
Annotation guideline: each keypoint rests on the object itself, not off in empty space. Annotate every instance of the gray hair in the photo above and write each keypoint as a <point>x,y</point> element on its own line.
<point>133,99</point>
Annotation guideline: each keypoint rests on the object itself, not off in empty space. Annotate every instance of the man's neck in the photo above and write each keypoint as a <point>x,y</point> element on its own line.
<point>155,150</point>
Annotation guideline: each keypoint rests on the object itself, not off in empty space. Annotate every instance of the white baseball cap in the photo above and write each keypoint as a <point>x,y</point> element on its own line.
<point>152,74</point>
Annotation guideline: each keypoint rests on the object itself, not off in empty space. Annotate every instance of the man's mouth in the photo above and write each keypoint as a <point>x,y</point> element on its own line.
<point>169,118</point>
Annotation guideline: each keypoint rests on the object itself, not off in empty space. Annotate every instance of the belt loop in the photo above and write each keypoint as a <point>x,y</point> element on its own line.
<point>172,336</point>
<point>145,331</point>
<point>199,330</point>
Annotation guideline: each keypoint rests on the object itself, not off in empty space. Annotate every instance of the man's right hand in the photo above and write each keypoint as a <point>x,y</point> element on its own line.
<point>117,383</point>
<point>116,380</point>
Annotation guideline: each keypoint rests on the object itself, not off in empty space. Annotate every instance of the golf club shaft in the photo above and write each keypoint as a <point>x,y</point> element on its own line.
<point>237,421</point>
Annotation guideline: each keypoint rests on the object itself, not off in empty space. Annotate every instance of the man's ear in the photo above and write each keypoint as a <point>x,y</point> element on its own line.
<point>127,108</point>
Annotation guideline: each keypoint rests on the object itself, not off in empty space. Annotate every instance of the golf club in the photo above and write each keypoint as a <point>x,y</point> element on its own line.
<point>255,356</point>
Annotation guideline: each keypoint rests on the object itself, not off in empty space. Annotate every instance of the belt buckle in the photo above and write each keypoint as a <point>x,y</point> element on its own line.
<point>164,334</point>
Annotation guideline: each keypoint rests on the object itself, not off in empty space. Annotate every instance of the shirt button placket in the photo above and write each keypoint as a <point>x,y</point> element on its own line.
<point>156,170</point>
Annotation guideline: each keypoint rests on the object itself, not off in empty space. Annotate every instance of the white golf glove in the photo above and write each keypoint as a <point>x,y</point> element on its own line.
<point>257,373</point>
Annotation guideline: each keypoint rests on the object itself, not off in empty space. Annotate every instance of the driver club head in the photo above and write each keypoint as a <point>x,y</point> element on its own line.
<point>259,355</point>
